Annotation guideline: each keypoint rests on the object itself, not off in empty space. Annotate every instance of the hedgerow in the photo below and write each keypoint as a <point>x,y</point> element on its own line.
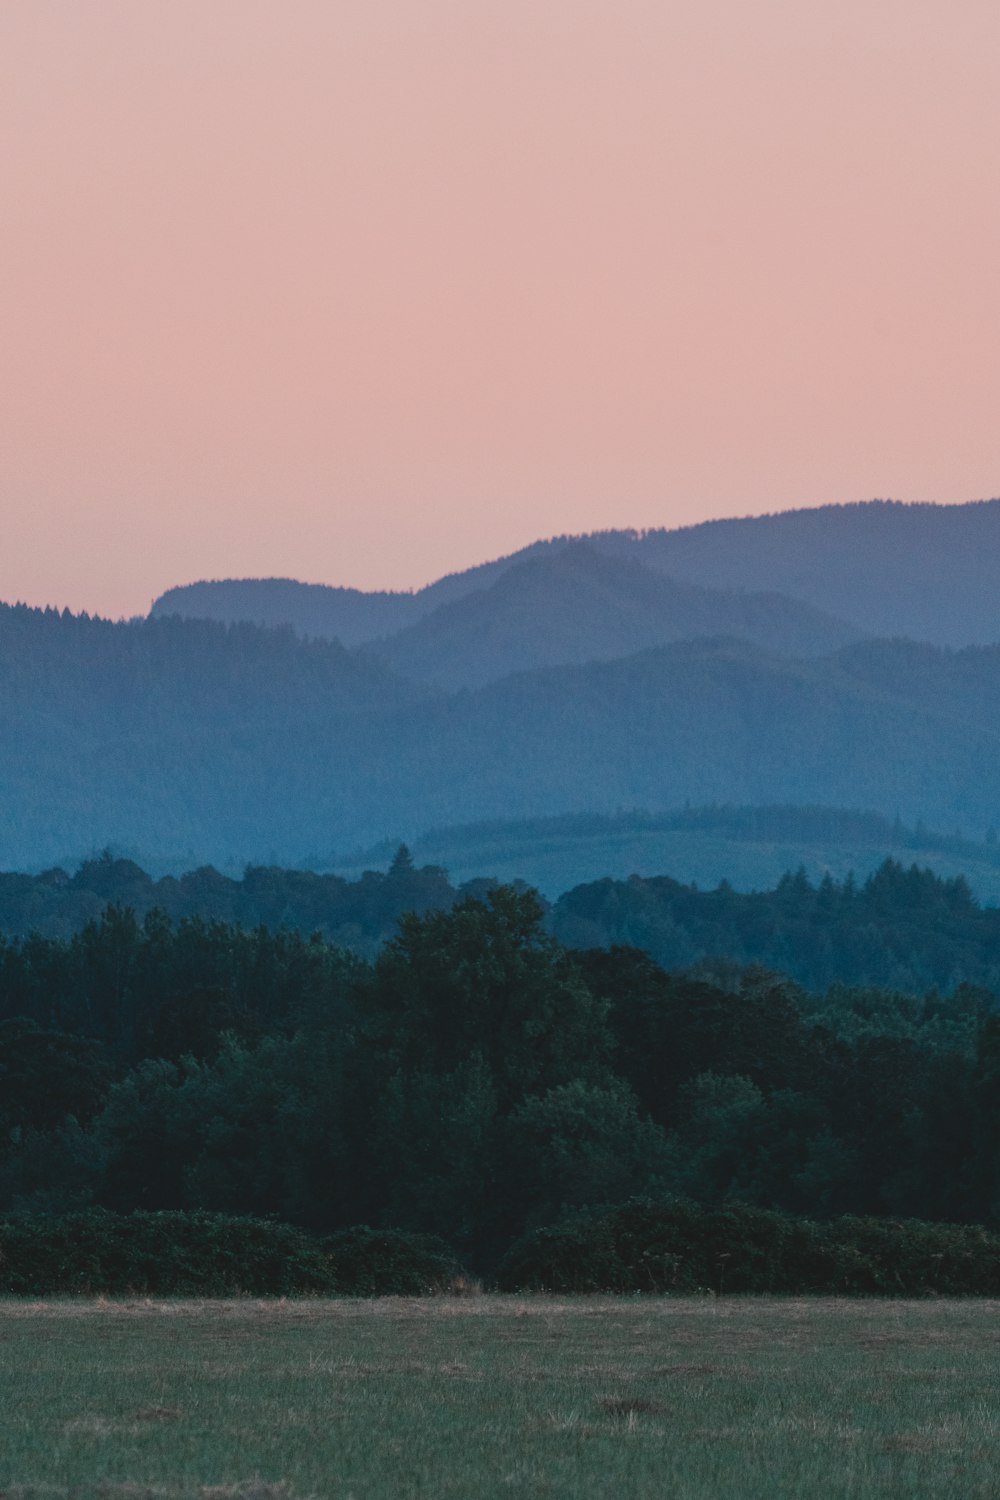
<point>203,1254</point>
<point>678,1247</point>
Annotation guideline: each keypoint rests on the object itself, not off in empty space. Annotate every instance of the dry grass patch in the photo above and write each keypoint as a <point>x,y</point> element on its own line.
<point>253,1489</point>
<point>628,1406</point>
<point>941,1440</point>
<point>128,1489</point>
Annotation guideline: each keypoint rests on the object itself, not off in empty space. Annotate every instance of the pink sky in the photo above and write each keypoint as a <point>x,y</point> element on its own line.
<point>363,291</point>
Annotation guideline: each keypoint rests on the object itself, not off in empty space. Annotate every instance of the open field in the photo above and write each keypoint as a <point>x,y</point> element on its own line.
<point>499,1396</point>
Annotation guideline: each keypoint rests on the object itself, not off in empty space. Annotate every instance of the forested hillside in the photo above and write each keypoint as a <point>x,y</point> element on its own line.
<point>931,572</point>
<point>137,676</point>
<point>173,735</point>
<point>575,605</point>
<point>227,744</point>
<point>750,847</point>
<point>312,609</point>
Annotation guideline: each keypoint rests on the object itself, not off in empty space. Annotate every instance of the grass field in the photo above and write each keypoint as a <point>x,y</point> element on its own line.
<point>490,1396</point>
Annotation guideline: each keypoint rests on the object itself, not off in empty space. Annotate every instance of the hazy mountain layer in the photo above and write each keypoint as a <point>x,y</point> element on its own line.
<point>931,572</point>
<point>143,675</point>
<point>167,726</point>
<point>576,604</point>
<point>927,571</point>
<point>750,847</point>
<point>229,744</point>
<point>313,609</point>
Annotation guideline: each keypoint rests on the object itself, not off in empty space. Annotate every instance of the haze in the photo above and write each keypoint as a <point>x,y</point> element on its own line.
<point>363,293</point>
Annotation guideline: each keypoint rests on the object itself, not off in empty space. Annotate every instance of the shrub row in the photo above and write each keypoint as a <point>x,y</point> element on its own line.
<point>639,1247</point>
<point>203,1254</point>
<point>678,1247</point>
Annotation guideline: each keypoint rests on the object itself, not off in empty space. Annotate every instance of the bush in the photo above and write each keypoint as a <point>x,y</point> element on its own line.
<point>910,1258</point>
<point>389,1262</point>
<point>678,1247</point>
<point>166,1254</point>
<point>201,1254</point>
<point>579,1257</point>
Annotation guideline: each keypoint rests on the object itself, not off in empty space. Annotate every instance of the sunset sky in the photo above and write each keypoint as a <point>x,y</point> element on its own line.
<point>364,291</point>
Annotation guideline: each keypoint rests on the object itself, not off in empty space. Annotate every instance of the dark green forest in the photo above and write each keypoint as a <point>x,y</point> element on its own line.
<point>477,1080</point>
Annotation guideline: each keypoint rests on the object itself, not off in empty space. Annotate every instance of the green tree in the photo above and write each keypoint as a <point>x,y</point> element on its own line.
<point>45,1076</point>
<point>484,981</point>
<point>580,1144</point>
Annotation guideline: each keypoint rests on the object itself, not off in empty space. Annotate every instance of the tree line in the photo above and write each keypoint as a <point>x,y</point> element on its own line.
<point>476,1079</point>
<point>357,914</point>
<point>903,928</point>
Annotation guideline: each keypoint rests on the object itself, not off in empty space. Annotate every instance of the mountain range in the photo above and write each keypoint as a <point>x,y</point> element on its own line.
<point>929,572</point>
<point>580,676</point>
<point>576,604</point>
<point>234,742</point>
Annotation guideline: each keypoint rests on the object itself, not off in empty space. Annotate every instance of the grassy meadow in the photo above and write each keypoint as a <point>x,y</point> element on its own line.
<point>484,1397</point>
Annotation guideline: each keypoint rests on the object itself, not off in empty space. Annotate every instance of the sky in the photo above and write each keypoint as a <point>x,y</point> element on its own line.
<point>365,291</point>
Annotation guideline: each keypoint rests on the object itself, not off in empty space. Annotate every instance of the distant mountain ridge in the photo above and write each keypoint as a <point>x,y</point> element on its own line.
<point>628,670</point>
<point>576,604</point>
<point>930,572</point>
<point>314,610</point>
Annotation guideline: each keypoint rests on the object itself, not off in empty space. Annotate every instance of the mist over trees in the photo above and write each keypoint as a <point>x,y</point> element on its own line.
<point>750,847</point>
